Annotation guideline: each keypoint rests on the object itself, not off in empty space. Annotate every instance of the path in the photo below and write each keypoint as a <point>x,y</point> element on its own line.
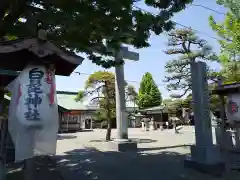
<point>160,156</point>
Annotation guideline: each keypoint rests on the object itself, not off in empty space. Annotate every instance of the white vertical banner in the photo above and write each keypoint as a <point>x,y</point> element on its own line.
<point>33,113</point>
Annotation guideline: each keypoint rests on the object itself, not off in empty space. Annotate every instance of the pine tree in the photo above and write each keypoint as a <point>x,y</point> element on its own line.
<point>149,94</point>
<point>100,86</point>
<point>189,48</point>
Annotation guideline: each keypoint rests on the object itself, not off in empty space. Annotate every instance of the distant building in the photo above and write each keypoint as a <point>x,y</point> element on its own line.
<point>76,116</point>
<point>159,115</point>
<point>73,115</point>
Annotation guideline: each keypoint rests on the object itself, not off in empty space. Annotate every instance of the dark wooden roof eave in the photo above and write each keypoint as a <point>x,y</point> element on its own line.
<point>62,109</point>
<point>227,89</point>
<point>16,54</point>
<point>5,80</point>
<point>6,77</point>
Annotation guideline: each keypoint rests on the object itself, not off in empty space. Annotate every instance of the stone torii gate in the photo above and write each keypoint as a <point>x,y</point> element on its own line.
<point>121,143</point>
<point>16,54</point>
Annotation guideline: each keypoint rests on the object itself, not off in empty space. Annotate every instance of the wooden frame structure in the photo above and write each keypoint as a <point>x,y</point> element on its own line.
<point>223,90</point>
<point>225,139</point>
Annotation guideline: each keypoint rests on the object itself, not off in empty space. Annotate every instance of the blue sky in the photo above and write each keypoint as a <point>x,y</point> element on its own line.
<point>152,59</point>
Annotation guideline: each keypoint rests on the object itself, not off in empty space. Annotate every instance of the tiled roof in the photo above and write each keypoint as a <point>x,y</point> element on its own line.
<point>67,101</point>
<point>156,108</point>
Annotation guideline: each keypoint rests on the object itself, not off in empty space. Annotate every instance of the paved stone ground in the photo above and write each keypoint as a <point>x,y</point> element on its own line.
<point>46,169</point>
<point>160,156</point>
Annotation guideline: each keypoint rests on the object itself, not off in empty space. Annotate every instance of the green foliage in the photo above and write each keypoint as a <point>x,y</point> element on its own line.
<point>166,101</point>
<point>231,72</point>
<point>229,58</point>
<point>230,35</point>
<point>80,96</point>
<point>214,103</point>
<point>88,26</point>
<point>189,48</point>
<point>149,94</point>
<point>173,105</point>
<point>99,77</point>
<point>233,5</point>
<point>100,115</point>
<point>100,86</point>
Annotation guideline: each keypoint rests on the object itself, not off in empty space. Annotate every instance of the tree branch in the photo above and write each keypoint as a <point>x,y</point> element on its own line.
<point>4,5</point>
<point>183,94</point>
<point>15,11</point>
<point>174,51</point>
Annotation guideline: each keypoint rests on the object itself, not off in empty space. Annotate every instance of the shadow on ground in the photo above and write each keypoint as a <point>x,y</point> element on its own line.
<point>86,130</point>
<point>74,131</point>
<point>165,147</point>
<point>92,164</point>
<point>61,137</point>
<point>137,140</point>
<point>45,170</point>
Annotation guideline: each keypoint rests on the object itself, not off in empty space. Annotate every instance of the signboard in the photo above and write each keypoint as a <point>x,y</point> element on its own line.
<point>33,113</point>
<point>233,108</point>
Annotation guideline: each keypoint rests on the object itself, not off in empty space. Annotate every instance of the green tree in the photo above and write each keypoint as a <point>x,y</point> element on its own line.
<point>233,5</point>
<point>166,102</point>
<point>100,86</point>
<point>229,33</point>
<point>214,101</point>
<point>174,106</point>
<point>229,58</point>
<point>189,48</point>
<point>148,94</point>
<point>88,26</point>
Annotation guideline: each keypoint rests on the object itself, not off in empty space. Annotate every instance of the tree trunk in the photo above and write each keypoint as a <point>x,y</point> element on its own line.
<point>109,127</point>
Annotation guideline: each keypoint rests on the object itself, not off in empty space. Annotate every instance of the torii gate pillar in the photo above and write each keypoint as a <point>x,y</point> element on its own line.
<point>121,143</point>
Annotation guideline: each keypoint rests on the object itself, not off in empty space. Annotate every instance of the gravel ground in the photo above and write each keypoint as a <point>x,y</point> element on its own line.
<point>160,156</point>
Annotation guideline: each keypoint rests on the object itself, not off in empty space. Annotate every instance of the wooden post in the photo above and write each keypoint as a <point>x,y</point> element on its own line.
<point>29,169</point>
<point>29,166</point>
<point>3,138</point>
<point>68,117</point>
<point>223,133</point>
